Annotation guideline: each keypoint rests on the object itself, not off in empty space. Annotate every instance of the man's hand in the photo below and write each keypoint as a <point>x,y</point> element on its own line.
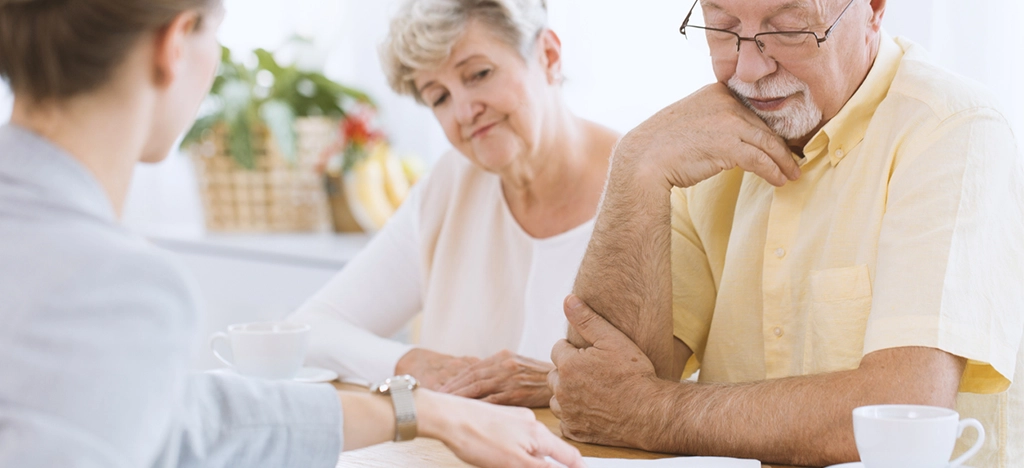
<point>505,379</point>
<point>597,389</point>
<point>626,274</point>
<point>608,394</point>
<point>492,436</point>
<point>706,133</point>
<point>432,370</point>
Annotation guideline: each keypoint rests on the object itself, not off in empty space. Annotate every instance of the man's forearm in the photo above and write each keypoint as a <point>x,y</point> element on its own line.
<point>802,421</point>
<point>626,273</point>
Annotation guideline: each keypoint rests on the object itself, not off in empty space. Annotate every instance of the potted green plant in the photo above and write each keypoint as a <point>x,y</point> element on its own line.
<point>243,98</point>
<point>257,140</point>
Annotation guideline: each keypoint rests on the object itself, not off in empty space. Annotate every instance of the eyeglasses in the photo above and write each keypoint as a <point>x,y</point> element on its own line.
<point>783,46</point>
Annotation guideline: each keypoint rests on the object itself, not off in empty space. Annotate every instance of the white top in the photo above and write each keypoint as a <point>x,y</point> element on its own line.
<point>454,252</point>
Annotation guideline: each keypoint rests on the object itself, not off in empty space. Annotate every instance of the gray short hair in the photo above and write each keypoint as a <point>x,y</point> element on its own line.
<point>423,32</point>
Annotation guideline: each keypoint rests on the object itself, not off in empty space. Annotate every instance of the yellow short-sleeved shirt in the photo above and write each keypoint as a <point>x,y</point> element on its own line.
<point>905,229</point>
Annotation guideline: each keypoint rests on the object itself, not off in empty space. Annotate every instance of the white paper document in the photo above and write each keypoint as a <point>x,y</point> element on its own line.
<point>681,462</point>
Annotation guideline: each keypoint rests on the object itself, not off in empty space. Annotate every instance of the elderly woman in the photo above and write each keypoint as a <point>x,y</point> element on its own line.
<point>488,245</point>
<point>98,323</point>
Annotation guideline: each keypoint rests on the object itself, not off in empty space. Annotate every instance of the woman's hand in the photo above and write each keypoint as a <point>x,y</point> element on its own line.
<point>505,379</point>
<point>491,436</point>
<point>432,370</point>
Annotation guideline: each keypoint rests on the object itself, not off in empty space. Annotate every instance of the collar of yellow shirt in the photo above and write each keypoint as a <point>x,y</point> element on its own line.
<point>846,130</point>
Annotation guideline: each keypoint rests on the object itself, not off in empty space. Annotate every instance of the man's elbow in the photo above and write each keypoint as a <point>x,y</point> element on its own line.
<point>913,376</point>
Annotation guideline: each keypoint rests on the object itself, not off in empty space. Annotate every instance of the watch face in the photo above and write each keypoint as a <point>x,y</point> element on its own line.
<point>406,381</point>
<point>398,381</point>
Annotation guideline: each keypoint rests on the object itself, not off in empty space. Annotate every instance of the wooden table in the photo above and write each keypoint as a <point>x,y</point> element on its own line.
<point>423,452</point>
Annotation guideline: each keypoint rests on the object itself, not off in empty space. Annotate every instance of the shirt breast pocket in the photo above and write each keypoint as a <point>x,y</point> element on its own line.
<point>840,302</point>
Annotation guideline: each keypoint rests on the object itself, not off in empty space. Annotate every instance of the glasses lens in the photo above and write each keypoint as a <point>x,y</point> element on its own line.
<point>719,42</point>
<point>789,46</point>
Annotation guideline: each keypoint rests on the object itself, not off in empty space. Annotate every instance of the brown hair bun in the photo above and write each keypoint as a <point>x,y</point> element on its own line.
<point>56,49</point>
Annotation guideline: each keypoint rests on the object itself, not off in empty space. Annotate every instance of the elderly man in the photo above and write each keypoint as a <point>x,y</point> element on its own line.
<point>835,223</point>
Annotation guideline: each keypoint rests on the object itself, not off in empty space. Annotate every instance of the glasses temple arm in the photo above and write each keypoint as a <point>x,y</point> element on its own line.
<point>686,21</point>
<point>828,32</point>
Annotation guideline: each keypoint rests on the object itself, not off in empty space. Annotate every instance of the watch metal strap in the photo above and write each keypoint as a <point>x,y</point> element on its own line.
<point>405,413</point>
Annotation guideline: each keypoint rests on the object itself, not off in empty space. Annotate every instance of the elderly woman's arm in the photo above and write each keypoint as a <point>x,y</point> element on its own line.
<point>373,297</point>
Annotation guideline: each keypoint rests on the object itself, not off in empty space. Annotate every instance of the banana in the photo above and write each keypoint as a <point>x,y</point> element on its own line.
<point>366,189</point>
<point>395,183</point>
<point>377,185</point>
<point>413,168</point>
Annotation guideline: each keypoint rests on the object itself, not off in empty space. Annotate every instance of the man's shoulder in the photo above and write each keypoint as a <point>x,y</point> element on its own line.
<point>943,93</point>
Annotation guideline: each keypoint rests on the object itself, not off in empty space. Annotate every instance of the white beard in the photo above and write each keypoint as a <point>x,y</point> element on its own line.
<point>799,117</point>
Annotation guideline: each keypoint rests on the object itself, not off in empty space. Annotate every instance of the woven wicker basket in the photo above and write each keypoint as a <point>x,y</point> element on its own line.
<point>276,196</point>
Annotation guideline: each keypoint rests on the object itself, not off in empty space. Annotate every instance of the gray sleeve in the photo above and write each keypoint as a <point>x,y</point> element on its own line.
<point>95,357</point>
<point>93,374</point>
<point>231,421</point>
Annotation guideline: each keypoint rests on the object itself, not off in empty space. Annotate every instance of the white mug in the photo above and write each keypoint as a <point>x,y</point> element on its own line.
<point>267,350</point>
<point>899,436</point>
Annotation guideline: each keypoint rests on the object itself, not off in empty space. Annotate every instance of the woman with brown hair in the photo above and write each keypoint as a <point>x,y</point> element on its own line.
<point>98,323</point>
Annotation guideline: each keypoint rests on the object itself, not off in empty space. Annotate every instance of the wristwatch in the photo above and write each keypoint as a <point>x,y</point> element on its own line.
<point>400,389</point>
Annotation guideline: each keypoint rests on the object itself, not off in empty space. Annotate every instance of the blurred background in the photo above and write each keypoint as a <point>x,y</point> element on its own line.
<point>622,64</point>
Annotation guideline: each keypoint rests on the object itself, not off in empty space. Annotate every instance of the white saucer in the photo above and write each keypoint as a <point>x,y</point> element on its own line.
<point>315,375</point>
<point>305,375</point>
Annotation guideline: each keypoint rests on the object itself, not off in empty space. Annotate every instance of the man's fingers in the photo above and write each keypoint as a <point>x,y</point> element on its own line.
<point>567,431</point>
<point>752,159</point>
<point>586,322</point>
<point>561,351</point>
<point>774,147</point>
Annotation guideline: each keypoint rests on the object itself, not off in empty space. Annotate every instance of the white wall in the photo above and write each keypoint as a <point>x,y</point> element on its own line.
<point>983,40</point>
<point>624,61</point>
<point>625,64</point>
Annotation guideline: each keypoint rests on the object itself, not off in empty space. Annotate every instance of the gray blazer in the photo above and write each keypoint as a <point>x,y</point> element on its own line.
<point>96,326</point>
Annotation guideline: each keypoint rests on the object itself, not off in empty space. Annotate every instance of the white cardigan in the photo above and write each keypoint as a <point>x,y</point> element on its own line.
<point>454,252</point>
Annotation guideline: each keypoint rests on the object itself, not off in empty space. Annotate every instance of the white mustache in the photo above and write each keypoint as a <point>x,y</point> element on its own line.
<point>792,121</point>
<point>768,88</point>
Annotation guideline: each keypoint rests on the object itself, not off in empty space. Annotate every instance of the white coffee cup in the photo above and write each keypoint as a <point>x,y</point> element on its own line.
<point>900,436</point>
<point>267,350</point>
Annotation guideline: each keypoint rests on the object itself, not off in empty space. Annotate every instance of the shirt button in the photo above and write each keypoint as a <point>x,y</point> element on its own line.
<point>777,331</point>
<point>780,252</point>
<point>839,153</point>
